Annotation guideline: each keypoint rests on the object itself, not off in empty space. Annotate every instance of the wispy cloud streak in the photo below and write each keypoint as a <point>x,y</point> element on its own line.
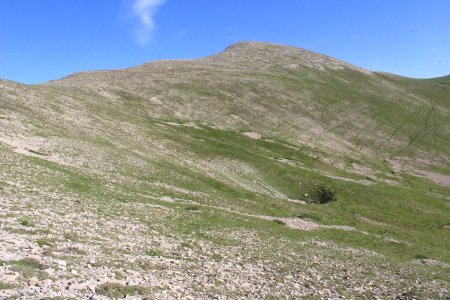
<point>145,11</point>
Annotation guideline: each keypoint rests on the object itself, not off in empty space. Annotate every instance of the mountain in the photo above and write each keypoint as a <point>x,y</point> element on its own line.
<point>262,171</point>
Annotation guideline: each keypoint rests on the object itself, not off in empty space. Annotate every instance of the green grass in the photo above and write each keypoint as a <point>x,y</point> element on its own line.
<point>26,222</point>
<point>72,237</point>
<point>29,267</point>
<point>44,242</point>
<point>6,286</point>
<point>116,291</point>
<point>153,252</point>
<point>406,209</point>
<point>413,215</point>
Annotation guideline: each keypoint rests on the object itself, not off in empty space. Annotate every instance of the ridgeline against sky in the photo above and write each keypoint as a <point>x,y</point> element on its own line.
<point>44,40</point>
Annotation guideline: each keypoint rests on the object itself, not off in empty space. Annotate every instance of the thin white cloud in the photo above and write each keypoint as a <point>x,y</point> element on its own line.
<point>145,11</point>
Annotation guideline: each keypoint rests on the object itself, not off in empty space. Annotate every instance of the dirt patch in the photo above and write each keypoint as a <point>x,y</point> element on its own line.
<point>190,124</point>
<point>30,147</point>
<point>362,170</point>
<point>436,178</point>
<point>253,135</point>
<point>297,223</point>
<point>400,164</point>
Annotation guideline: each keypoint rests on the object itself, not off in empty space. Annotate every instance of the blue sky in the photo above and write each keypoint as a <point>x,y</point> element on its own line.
<point>42,40</point>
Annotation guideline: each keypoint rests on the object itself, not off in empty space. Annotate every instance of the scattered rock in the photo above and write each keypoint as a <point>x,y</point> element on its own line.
<point>61,263</point>
<point>79,286</point>
<point>91,287</point>
<point>132,272</point>
<point>33,281</point>
<point>6,294</point>
<point>50,271</point>
<point>117,282</point>
<point>9,278</point>
<point>45,283</point>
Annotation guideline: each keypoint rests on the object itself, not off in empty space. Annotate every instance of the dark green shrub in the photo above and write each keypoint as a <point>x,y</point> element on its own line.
<point>324,195</point>
<point>191,208</point>
<point>279,222</point>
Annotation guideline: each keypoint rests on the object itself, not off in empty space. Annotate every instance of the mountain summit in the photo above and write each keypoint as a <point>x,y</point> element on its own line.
<point>265,54</point>
<point>264,171</point>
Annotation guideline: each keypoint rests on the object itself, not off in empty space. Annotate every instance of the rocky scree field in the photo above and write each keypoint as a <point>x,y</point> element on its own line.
<point>264,171</point>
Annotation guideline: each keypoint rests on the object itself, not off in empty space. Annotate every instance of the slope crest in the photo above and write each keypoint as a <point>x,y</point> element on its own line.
<point>263,54</point>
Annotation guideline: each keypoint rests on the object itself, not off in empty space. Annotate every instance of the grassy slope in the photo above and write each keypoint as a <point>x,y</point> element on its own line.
<point>257,84</point>
<point>124,137</point>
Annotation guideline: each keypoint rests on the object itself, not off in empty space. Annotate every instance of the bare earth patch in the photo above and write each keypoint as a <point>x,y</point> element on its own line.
<point>253,135</point>
<point>402,164</point>
<point>440,179</point>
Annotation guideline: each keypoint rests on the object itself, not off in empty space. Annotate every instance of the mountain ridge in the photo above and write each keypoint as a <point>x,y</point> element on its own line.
<point>252,45</point>
<point>245,174</point>
<point>234,50</point>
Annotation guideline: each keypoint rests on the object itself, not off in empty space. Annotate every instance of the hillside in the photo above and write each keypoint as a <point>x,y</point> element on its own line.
<point>204,178</point>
